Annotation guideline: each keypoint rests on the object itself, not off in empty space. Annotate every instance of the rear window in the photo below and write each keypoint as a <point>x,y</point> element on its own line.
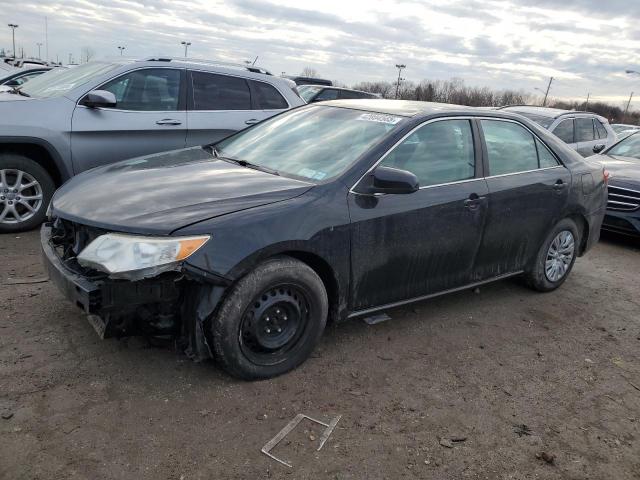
<point>564,131</point>
<point>584,130</point>
<point>220,92</point>
<point>544,122</point>
<point>267,97</point>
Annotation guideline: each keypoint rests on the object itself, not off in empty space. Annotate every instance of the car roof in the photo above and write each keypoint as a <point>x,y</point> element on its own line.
<point>545,111</point>
<point>333,87</point>
<point>404,108</point>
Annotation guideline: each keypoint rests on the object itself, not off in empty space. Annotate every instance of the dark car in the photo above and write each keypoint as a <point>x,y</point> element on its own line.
<point>320,93</point>
<point>300,80</point>
<point>245,248</point>
<point>622,160</point>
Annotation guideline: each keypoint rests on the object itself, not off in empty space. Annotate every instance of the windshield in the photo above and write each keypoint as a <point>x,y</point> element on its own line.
<point>59,81</point>
<point>313,143</point>
<point>308,92</point>
<point>621,128</point>
<point>629,147</point>
<point>544,122</point>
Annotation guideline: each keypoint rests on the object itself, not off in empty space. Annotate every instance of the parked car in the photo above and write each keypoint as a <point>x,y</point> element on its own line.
<point>320,93</point>
<point>624,130</point>
<point>244,248</point>
<point>17,78</point>
<point>67,121</point>
<point>585,132</point>
<point>300,80</point>
<point>623,207</point>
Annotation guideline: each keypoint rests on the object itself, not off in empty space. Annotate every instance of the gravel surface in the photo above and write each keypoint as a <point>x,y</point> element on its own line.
<point>501,383</point>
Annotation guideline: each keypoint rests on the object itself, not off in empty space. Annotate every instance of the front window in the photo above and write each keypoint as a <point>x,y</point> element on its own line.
<point>59,81</point>
<point>629,147</point>
<point>152,89</point>
<point>313,143</point>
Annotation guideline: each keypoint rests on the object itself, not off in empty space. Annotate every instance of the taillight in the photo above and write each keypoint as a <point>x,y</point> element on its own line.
<point>605,176</point>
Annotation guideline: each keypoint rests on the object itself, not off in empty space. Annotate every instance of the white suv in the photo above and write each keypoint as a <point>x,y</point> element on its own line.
<point>585,132</point>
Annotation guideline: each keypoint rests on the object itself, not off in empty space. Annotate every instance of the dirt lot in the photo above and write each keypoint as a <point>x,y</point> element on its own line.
<point>515,372</point>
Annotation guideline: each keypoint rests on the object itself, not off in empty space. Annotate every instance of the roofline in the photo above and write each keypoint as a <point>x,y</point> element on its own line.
<point>338,88</point>
<point>204,61</point>
<point>565,112</point>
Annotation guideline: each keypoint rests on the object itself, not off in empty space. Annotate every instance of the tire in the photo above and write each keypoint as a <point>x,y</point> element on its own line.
<point>15,210</point>
<point>270,321</point>
<point>546,280</point>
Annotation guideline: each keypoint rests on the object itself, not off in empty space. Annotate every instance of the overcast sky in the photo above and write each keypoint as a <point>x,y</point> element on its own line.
<point>585,44</point>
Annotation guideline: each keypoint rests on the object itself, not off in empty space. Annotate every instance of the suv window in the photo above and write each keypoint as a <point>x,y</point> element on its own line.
<point>511,148</point>
<point>584,130</point>
<point>327,94</point>
<point>564,131</point>
<point>601,132</point>
<point>439,152</point>
<point>219,92</point>
<point>267,97</point>
<point>153,89</point>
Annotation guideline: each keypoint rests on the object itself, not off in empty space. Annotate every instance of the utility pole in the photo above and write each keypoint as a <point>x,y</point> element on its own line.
<point>13,27</point>
<point>46,38</point>
<point>586,105</point>
<point>399,67</point>
<point>186,46</point>
<point>626,110</point>
<point>546,95</point>
<point>121,50</point>
<point>70,58</point>
<point>39,45</point>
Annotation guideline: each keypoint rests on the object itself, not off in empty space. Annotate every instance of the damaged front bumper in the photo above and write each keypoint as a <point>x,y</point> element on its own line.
<point>175,303</point>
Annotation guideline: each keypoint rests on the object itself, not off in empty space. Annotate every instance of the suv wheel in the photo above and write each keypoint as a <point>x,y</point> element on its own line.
<point>555,258</point>
<point>271,320</point>
<point>25,192</point>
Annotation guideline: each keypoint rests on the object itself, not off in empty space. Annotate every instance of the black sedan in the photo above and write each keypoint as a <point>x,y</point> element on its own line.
<point>246,248</point>
<point>622,160</point>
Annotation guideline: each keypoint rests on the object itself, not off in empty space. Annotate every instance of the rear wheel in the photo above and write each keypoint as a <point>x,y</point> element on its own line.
<point>271,320</point>
<point>555,258</point>
<point>25,192</point>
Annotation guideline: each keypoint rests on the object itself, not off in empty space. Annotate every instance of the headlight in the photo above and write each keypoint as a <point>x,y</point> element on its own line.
<point>135,257</point>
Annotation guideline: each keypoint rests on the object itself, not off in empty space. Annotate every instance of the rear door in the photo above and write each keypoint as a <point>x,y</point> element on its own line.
<point>149,117</point>
<point>219,105</point>
<point>410,245</point>
<point>528,191</point>
<point>585,136</point>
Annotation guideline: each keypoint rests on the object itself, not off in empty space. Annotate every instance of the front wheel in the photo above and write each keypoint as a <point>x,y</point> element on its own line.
<point>25,191</point>
<point>271,320</point>
<point>555,258</point>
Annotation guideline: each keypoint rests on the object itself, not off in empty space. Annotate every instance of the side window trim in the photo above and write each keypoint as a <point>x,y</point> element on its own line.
<point>485,154</point>
<point>182,94</point>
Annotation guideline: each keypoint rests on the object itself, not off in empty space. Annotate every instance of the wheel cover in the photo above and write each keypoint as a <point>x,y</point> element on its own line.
<point>20,196</point>
<point>273,323</point>
<point>559,256</point>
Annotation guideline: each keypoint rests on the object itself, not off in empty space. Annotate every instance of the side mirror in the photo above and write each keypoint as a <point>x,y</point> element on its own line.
<point>390,180</point>
<point>598,148</point>
<point>13,83</point>
<point>99,98</point>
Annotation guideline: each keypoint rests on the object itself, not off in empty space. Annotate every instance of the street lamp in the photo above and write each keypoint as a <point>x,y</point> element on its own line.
<point>121,50</point>
<point>39,45</point>
<point>399,67</point>
<point>186,46</point>
<point>13,27</point>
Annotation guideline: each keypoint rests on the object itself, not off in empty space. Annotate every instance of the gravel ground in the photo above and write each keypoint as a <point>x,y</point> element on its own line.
<point>515,373</point>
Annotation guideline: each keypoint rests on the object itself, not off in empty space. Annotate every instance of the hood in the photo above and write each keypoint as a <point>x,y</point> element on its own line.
<point>7,96</point>
<point>623,169</point>
<point>160,193</point>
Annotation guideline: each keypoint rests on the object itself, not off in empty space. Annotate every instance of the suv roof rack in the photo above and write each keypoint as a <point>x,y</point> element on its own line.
<point>565,112</point>
<point>242,66</point>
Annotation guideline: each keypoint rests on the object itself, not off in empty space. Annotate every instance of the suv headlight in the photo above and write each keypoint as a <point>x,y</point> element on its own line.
<point>135,257</point>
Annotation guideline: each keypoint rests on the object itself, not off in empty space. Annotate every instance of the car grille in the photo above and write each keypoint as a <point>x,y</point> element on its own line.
<point>68,239</point>
<point>623,199</point>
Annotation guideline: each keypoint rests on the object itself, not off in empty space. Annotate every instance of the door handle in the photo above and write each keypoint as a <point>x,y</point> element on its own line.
<point>168,121</point>
<point>473,201</point>
<point>559,185</point>
<point>251,121</point>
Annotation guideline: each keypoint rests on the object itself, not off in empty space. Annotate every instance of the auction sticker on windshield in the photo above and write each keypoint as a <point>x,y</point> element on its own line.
<point>379,118</point>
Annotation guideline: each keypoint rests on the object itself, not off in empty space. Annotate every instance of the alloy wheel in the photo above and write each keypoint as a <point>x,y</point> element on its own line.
<point>559,256</point>
<point>20,196</point>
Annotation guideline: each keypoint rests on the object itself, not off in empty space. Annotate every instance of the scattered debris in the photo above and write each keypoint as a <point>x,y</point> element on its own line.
<point>547,457</point>
<point>588,360</point>
<point>293,424</point>
<point>384,358</point>
<point>522,429</point>
<point>458,439</point>
<point>25,281</point>
<point>372,320</point>
<point>445,442</point>
<point>7,416</point>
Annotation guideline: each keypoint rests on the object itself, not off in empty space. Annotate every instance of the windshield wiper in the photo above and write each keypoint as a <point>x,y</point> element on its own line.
<point>244,163</point>
<point>213,149</point>
<point>17,91</point>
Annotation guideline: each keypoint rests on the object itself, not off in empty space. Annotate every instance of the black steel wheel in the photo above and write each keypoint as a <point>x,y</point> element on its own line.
<point>271,320</point>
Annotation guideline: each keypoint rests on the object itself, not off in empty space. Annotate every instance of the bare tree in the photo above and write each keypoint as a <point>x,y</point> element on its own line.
<point>86,54</point>
<point>309,72</point>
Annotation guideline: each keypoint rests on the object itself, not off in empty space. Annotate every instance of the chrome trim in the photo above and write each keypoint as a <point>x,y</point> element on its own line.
<point>359,313</point>
<point>440,119</point>
<point>624,189</point>
<point>635,205</point>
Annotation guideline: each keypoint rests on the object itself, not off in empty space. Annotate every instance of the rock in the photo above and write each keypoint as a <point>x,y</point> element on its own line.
<point>547,457</point>
<point>312,437</point>
<point>445,442</point>
<point>7,416</point>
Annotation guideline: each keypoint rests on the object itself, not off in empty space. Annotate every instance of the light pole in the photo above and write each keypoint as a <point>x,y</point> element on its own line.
<point>39,45</point>
<point>399,67</point>
<point>121,50</point>
<point>626,110</point>
<point>13,27</point>
<point>186,46</point>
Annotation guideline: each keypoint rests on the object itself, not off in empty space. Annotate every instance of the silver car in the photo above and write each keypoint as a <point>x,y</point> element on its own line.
<point>585,132</point>
<point>67,121</point>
